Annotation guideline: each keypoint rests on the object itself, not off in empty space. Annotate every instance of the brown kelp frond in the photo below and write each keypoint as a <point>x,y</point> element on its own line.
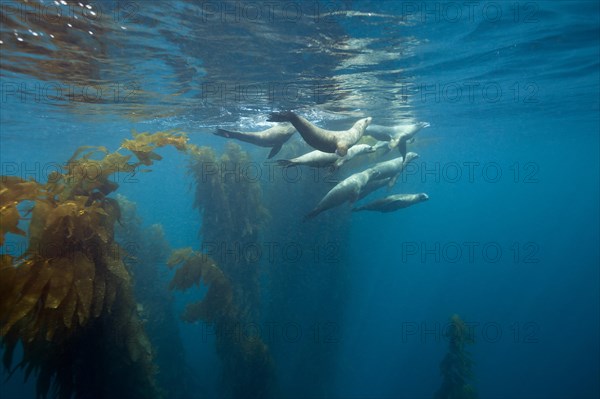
<point>14,190</point>
<point>53,287</point>
<point>194,268</point>
<point>228,196</point>
<point>88,172</point>
<point>71,285</point>
<point>179,256</point>
<point>144,144</point>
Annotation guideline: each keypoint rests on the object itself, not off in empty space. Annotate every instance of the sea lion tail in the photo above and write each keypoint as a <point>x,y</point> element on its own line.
<point>402,148</point>
<point>284,116</point>
<point>276,148</point>
<point>310,215</point>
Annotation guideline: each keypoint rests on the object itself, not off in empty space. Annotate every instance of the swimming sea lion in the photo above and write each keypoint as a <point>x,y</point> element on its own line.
<point>347,190</point>
<point>405,134</point>
<point>316,158</point>
<point>393,202</point>
<point>382,144</point>
<point>394,167</point>
<point>381,133</point>
<point>321,139</point>
<point>373,185</point>
<point>320,159</point>
<point>273,137</point>
<point>355,150</point>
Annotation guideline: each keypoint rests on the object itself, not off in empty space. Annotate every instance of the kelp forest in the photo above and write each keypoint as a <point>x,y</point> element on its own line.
<point>87,310</point>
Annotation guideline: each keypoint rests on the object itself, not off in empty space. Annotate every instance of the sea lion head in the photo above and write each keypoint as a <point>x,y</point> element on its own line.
<point>363,123</point>
<point>423,197</point>
<point>410,156</point>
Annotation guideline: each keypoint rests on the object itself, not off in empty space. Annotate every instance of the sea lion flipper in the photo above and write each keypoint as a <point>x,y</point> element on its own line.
<point>284,116</point>
<point>402,148</point>
<point>274,150</point>
<point>393,180</point>
<point>223,133</point>
<point>342,149</point>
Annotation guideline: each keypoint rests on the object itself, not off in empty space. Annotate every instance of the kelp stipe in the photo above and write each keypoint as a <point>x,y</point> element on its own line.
<point>68,299</point>
<point>456,365</point>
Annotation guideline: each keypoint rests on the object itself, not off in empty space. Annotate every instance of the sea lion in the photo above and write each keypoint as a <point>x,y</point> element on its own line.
<point>320,159</point>
<point>405,134</point>
<point>394,167</point>
<point>273,137</point>
<point>321,139</point>
<point>347,190</point>
<point>373,185</point>
<point>393,202</point>
<point>382,144</point>
<point>316,158</point>
<point>381,133</point>
<point>355,150</point>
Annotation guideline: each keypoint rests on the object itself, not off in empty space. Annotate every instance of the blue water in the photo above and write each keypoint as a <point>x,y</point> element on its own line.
<point>508,239</point>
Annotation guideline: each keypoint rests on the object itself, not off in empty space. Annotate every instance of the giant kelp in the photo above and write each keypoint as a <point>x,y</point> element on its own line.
<point>230,202</point>
<point>68,298</point>
<point>456,365</point>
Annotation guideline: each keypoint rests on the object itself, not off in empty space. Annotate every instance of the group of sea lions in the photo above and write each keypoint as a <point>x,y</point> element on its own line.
<point>335,148</point>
